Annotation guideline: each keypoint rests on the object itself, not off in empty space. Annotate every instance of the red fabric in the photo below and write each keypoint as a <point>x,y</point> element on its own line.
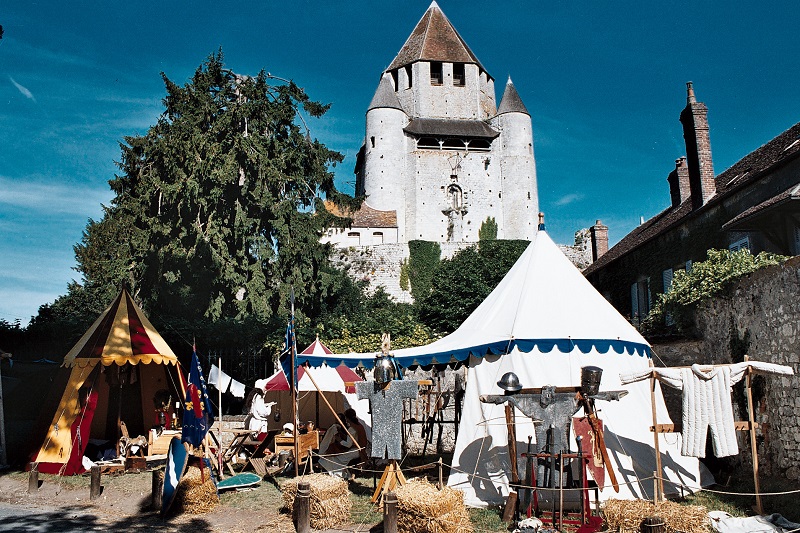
<point>347,376</point>
<point>194,394</point>
<point>80,431</point>
<point>140,340</point>
<point>591,449</point>
<point>278,382</point>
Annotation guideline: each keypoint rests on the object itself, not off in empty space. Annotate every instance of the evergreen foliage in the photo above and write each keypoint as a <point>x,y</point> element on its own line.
<point>705,279</point>
<point>488,230</point>
<point>461,283</point>
<point>424,257</point>
<point>217,208</point>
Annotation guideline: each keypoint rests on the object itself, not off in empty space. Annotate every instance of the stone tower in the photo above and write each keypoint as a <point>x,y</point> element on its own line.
<point>438,151</point>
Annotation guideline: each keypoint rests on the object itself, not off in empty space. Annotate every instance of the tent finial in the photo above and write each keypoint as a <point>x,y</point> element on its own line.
<point>541,221</point>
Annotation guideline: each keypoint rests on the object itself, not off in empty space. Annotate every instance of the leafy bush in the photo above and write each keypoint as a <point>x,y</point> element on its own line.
<point>705,279</point>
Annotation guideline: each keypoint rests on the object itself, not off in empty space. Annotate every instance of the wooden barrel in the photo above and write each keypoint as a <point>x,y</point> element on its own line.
<point>653,524</point>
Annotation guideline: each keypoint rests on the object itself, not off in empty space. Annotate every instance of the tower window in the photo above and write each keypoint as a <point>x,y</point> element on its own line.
<point>394,79</point>
<point>436,73</point>
<point>453,144</point>
<point>372,141</point>
<point>479,145</point>
<point>454,196</point>
<point>409,76</point>
<point>459,78</point>
<point>428,142</point>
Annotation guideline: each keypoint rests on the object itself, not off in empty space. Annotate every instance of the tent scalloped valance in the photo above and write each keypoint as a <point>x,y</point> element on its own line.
<point>145,359</point>
<point>495,348</point>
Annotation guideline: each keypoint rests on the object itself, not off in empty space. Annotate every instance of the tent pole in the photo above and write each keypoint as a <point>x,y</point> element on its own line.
<point>660,485</point>
<point>219,421</point>
<point>3,454</point>
<point>344,427</point>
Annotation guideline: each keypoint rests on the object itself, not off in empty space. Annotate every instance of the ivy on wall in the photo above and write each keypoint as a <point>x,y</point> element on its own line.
<point>424,257</point>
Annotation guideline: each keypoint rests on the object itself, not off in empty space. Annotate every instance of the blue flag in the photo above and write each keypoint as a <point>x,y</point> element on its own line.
<point>197,413</point>
<point>286,358</point>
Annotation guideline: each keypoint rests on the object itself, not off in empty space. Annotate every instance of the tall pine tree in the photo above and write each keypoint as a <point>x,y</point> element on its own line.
<point>218,205</point>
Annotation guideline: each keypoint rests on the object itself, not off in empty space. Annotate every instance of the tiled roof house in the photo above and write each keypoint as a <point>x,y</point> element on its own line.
<point>754,205</point>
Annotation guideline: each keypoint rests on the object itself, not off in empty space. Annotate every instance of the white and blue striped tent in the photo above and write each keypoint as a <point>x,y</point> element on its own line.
<point>545,321</point>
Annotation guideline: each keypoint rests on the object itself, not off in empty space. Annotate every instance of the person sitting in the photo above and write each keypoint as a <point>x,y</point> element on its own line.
<point>257,419</point>
<point>358,432</point>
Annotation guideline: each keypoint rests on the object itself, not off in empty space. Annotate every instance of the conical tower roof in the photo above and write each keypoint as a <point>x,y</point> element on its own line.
<point>122,334</point>
<point>511,102</point>
<point>434,39</point>
<point>385,96</point>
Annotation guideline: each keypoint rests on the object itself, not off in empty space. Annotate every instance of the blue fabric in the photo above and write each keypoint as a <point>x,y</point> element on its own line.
<point>496,348</point>
<point>286,358</point>
<point>197,413</point>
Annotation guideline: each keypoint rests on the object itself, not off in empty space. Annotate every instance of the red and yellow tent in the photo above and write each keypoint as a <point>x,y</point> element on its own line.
<point>118,371</point>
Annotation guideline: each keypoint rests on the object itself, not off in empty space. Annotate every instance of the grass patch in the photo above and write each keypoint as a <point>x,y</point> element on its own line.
<point>487,520</point>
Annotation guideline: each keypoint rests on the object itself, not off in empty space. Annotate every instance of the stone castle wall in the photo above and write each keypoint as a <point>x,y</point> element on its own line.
<point>760,316</point>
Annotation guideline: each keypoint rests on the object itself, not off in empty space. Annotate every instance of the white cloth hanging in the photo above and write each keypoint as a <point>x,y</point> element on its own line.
<point>237,389</point>
<point>218,378</point>
<point>706,401</point>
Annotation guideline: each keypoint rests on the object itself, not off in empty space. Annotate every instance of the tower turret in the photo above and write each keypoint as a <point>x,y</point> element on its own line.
<point>517,166</point>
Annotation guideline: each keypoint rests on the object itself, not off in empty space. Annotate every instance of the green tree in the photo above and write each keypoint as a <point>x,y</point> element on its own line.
<point>461,283</point>
<point>705,279</point>
<point>488,230</point>
<point>424,257</point>
<point>217,209</point>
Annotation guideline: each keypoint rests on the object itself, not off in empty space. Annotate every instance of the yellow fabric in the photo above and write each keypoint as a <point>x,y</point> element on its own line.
<point>118,343</point>
<point>57,445</point>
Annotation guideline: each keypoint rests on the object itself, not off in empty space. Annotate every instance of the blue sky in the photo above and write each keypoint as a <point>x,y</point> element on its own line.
<point>604,82</point>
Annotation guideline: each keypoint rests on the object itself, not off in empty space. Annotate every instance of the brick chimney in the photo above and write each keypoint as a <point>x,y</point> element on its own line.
<point>694,118</point>
<point>678,180</point>
<point>599,234</point>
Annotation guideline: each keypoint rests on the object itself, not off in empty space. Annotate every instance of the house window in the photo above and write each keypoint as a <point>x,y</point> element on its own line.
<point>640,301</point>
<point>377,237</point>
<point>409,77</point>
<point>354,238</point>
<point>741,244</point>
<point>436,73</point>
<point>458,75</point>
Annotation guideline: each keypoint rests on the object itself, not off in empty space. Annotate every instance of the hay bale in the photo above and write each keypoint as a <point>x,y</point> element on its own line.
<point>625,516</point>
<point>329,502</point>
<point>194,494</point>
<point>422,508</point>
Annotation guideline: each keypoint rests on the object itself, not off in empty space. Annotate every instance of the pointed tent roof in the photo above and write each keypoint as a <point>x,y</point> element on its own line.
<point>434,39</point>
<point>122,334</point>
<point>511,102</point>
<point>385,96</point>
<point>543,302</point>
<point>327,378</point>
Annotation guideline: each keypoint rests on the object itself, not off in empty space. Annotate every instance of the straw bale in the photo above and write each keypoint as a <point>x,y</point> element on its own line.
<point>422,508</point>
<point>329,502</point>
<point>625,516</point>
<point>196,493</point>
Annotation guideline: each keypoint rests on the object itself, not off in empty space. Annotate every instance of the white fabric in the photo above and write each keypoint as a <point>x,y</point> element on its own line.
<point>545,297</point>
<point>707,402</point>
<point>218,378</point>
<point>723,522</point>
<point>237,389</point>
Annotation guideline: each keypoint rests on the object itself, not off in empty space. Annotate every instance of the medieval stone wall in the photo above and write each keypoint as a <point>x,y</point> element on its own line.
<point>759,317</point>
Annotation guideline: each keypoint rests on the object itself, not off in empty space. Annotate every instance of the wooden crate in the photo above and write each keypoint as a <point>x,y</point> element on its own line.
<point>160,446</point>
<point>305,443</point>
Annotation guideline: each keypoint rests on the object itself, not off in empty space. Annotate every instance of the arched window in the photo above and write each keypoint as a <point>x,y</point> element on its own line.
<point>453,144</point>
<point>479,145</point>
<point>354,238</point>
<point>454,197</point>
<point>377,237</point>
<point>428,142</point>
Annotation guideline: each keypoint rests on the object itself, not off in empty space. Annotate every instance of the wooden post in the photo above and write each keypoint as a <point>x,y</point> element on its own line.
<point>659,486</point>
<point>753,446</point>
<point>441,481</point>
<point>157,489</point>
<point>390,512</point>
<point>219,423</point>
<point>33,479</point>
<point>653,524</point>
<point>96,488</point>
<point>302,508</point>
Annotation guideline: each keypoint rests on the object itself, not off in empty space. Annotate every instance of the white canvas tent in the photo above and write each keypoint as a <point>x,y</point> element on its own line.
<point>544,321</point>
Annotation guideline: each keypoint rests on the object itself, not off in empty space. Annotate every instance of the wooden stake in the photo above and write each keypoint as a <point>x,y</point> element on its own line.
<point>157,489</point>
<point>219,422</point>
<point>96,488</point>
<point>390,513</point>
<point>302,508</point>
<point>33,479</point>
<point>753,445</point>
<point>658,484</point>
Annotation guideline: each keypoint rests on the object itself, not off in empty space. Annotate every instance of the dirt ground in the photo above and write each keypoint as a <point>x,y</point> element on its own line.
<point>63,505</point>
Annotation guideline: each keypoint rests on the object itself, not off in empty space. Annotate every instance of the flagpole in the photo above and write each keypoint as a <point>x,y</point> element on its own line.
<point>219,432</point>
<point>293,351</point>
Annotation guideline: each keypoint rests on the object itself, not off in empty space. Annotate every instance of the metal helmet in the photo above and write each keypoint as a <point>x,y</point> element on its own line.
<point>510,382</point>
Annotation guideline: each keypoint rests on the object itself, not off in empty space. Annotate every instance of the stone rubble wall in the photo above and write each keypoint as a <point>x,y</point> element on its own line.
<point>759,316</point>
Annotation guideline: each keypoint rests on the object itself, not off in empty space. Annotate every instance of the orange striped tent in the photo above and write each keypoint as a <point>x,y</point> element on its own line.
<point>116,371</point>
